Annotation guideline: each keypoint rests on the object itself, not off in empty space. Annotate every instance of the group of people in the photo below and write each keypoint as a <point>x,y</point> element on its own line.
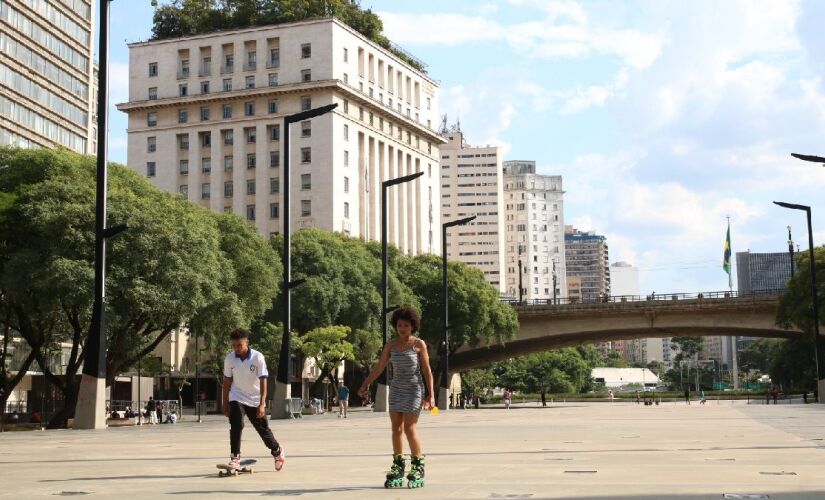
<point>245,388</point>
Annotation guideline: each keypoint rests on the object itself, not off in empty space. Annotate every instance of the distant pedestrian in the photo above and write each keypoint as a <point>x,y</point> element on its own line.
<point>151,409</point>
<point>610,395</point>
<point>702,397</point>
<point>159,410</point>
<point>507,396</point>
<point>687,396</point>
<point>343,399</point>
<point>775,394</point>
<point>543,398</point>
<point>638,397</point>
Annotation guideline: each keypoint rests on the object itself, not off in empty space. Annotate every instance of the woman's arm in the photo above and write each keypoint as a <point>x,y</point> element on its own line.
<point>376,371</point>
<point>426,372</point>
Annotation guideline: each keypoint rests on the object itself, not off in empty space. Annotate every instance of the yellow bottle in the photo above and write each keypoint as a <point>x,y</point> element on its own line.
<point>434,410</point>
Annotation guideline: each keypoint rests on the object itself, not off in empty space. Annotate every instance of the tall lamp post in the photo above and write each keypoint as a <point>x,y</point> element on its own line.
<point>90,412</point>
<point>790,249</point>
<point>819,342</point>
<point>444,390</point>
<point>382,390</point>
<point>282,387</point>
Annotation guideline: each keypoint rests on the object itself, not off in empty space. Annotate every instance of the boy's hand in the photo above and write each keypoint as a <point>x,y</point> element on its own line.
<point>262,410</point>
<point>225,408</point>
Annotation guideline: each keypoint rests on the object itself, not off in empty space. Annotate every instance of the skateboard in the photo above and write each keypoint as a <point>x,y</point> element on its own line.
<point>245,467</point>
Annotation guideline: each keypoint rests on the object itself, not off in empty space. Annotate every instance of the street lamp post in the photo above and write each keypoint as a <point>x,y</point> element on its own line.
<point>382,390</point>
<point>444,390</point>
<point>90,412</point>
<point>819,342</point>
<point>554,282</point>
<point>282,387</point>
<point>790,249</point>
<point>520,286</point>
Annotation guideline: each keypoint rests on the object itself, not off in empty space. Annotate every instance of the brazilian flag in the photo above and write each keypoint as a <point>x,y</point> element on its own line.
<point>726,258</point>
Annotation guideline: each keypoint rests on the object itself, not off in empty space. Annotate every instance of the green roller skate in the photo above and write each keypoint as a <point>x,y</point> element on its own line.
<point>415,478</point>
<point>395,476</point>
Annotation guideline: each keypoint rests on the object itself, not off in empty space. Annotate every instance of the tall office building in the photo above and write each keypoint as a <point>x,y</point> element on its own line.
<point>762,271</point>
<point>471,185</point>
<point>588,258</point>
<point>534,222</point>
<point>47,95</point>
<point>206,115</point>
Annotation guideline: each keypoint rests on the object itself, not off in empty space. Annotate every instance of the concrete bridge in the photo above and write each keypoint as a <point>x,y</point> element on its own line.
<point>546,326</point>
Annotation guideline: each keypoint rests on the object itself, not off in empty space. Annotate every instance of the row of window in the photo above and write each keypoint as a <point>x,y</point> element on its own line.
<point>228,109</point>
<point>394,79</point>
<point>44,67</point>
<point>228,60</point>
<point>33,30</point>
<point>42,125</point>
<point>43,96</point>
<point>226,86</point>
<point>81,7</point>
<point>59,19</point>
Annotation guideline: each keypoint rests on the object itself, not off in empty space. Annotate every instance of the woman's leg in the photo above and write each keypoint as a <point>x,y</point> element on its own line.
<point>397,422</point>
<point>412,434</point>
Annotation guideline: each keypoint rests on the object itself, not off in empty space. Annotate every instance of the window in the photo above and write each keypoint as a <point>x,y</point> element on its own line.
<point>274,132</point>
<point>153,69</point>
<point>183,116</point>
<point>204,114</point>
<point>306,75</point>
<point>346,158</point>
<point>183,89</point>
<point>204,87</point>
<point>151,144</point>
<point>346,55</point>
<point>250,135</point>
<point>306,50</point>
<point>228,189</point>
<point>228,63</point>
<point>150,169</point>
<point>274,185</point>
<point>250,82</point>
<point>249,108</point>
<point>250,212</point>
<point>346,184</point>
<point>273,211</point>
<point>250,160</point>
<point>371,118</point>
<point>151,119</point>
<point>272,106</point>
<point>184,190</point>
<point>346,132</point>
<point>183,167</point>
<point>206,66</point>
<point>306,103</point>
<point>184,68</point>
<point>228,137</point>
<point>360,113</point>
<point>250,186</point>
<point>346,210</point>
<point>206,165</point>
<point>251,60</point>
<point>306,208</point>
<point>227,163</point>
<point>306,155</point>
<point>346,106</point>
<point>206,191</point>
<point>346,78</point>
<point>274,158</point>
<point>306,128</point>
<point>274,58</point>
<point>428,103</point>
<point>306,181</point>
<point>273,79</point>
<point>153,93</point>
<point>227,111</point>
<point>183,140</point>
<point>227,84</point>
<point>206,139</point>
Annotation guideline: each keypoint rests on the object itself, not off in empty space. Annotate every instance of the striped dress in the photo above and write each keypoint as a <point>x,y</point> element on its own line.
<point>407,385</point>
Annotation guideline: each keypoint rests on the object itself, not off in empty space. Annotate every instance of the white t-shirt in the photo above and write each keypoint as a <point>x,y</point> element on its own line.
<point>246,376</point>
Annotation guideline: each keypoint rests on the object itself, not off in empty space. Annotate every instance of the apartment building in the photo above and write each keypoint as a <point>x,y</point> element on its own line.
<point>206,114</point>
<point>47,88</point>
<point>471,185</point>
<point>588,258</point>
<point>534,221</point>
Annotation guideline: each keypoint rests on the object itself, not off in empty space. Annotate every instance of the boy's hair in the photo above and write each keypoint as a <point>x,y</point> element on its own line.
<point>406,313</point>
<point>238,334</point>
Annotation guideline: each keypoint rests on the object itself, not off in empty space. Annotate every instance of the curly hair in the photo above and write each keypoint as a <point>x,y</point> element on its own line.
<point>238,334</point>
<point>408,314</point>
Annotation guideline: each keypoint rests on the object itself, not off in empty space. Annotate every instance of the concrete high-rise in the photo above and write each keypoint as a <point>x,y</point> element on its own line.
<point>471,184</point>
<point>588,258</point>
<point>534,221</point>
<point>624,281</point>
<point>205,117</point>
<point>762,271</point>
<point>47,95</point>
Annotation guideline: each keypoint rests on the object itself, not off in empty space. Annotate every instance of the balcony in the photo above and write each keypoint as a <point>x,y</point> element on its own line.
<point>273,64</point>
<point>250,66</point>
<point>227,68</point>
<point>183,74</point>
<point>205,71</point>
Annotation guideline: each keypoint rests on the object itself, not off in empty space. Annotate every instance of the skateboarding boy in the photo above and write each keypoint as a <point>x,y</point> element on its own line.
<point>244,392</point>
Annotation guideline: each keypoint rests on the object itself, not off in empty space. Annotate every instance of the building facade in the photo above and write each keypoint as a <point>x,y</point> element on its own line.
<point>762,271</point>
<point>47,94</point>
<point>534,232</point>
<point>588,258</point>
<point>206,114</point>
<point>471,185</point>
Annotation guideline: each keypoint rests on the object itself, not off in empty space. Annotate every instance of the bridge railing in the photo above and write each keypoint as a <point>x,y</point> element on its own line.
<point>653,297</point>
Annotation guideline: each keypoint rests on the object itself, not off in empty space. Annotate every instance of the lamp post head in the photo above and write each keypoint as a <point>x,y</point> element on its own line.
<point>792,206</point>
<point>311,113</point>
<point>815,159</point>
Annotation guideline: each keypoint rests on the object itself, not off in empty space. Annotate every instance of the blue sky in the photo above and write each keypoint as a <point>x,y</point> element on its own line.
<point>663,117</point>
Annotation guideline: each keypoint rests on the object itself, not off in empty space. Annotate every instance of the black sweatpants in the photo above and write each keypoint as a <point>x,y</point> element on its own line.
<point>236,412</point>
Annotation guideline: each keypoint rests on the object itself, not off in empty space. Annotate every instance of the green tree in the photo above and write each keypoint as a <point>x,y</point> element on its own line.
<point>557,371</point>
<point>329,347</point>
<point>478,381</point>
<point>366,345</point>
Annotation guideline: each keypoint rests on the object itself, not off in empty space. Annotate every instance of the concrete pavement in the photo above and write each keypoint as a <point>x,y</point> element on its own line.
<point>575,450</point>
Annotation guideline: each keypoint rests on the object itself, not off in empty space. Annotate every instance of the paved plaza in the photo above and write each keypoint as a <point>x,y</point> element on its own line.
<point>573,450</point>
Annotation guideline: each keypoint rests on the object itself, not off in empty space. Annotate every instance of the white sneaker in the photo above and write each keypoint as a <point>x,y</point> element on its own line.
<point>280,460</point>
<point>234,463</point>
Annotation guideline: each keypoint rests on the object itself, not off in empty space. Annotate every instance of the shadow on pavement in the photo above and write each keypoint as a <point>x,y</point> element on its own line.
<point>278,493</point>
